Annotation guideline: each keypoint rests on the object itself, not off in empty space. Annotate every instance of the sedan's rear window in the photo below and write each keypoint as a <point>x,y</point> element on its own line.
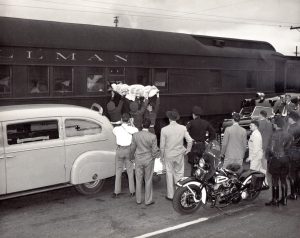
<point>81,127</point>
<point>32,131</point>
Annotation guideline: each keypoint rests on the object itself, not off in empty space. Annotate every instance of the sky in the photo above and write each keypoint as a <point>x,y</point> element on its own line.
<point>263,20</point>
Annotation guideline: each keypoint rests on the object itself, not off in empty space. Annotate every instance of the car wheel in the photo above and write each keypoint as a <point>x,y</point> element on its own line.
<point>91,187</point>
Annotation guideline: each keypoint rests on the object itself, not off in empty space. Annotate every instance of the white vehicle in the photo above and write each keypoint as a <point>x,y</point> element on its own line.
<point>47,146</point>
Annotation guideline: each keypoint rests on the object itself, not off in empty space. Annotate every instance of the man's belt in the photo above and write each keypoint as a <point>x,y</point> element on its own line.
<point>123,146</point>
<point>198,142</point>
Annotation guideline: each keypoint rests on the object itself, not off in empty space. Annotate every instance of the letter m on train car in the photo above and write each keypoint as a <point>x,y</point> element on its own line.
<point>60,56</point>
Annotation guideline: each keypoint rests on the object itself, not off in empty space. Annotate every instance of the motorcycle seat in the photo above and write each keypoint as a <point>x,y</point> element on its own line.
<point>234,169</point>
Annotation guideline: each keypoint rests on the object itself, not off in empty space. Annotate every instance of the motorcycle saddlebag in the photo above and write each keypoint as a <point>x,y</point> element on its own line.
<point>257,181</point>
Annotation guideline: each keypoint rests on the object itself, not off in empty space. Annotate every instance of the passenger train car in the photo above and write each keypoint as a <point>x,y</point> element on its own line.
<point>51,62</point>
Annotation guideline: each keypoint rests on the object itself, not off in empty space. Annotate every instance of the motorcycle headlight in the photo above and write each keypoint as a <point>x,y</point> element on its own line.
<point>201,163</point>
<point>198,172</point>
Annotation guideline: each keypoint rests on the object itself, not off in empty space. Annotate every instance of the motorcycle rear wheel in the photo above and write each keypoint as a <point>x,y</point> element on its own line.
<point>252,194</point>
<point>183,201</point>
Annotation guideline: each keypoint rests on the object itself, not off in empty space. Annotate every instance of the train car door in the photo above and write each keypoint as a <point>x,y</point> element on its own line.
<point>2,164</point>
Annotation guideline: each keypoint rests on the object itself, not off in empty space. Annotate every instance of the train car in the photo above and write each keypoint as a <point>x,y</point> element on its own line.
<point>292,74</point>
<point>51,62</point>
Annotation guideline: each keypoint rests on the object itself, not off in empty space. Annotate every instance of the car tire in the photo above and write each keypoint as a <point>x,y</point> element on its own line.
<point>91,187</point>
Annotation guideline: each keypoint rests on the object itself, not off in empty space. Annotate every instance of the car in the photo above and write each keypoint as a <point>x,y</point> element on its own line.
<point>248,114</point>
<point>49,146</point>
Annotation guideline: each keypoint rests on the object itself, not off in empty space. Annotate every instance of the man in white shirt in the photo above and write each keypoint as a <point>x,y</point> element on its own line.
<point>123,135</point>
<point>255,148</point>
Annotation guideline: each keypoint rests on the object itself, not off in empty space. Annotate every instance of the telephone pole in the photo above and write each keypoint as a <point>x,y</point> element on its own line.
<point>116,21</point>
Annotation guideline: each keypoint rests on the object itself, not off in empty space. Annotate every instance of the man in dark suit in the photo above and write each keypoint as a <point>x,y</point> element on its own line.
<point>145,150</point>
<point>266,130</point>
<point>197,129</point>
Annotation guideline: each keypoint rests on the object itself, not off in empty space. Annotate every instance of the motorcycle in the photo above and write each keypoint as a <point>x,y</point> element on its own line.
<point>216,185</point>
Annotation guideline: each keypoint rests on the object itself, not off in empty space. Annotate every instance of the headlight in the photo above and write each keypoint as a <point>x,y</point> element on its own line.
<point>201,163</point>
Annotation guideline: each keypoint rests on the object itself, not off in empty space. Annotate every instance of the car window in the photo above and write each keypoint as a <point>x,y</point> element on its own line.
<point>32,131</point>
<point>257,111</point>
<point>246,111</point>
<point>81,127</point>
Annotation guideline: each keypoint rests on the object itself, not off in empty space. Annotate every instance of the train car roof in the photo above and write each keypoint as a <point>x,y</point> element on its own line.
<point>48,34</point>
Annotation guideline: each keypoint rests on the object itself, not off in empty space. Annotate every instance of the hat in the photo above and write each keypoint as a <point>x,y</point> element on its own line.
<point>111,106</point>
<point>173,115</point>
<point>134,106</point>
<point>263,113</point>
<point>197,110</point>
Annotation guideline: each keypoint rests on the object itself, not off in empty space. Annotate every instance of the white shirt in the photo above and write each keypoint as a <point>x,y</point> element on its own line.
<point>255,145</point>
<point>124,133</point>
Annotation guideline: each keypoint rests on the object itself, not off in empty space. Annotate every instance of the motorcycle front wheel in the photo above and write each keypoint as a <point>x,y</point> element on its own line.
<point>183,200</point>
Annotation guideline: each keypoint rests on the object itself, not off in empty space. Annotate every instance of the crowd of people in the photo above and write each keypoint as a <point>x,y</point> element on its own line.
<point>274,146</point>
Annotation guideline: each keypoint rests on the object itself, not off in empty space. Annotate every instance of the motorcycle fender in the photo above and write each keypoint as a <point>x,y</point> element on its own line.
<point>186,180</point>
<point>248,176</point>
<point>198,184</point>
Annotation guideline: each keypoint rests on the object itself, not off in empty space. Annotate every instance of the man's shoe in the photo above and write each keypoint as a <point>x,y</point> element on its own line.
<point>132,194</point>
<point>138,203</point>
<point>114,195</point>
<point>170,199</point>
<point>292,197</point>
<point>265,187</point>
<point>151,203</point>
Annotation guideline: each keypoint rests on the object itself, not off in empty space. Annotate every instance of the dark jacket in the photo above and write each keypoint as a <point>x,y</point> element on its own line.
<point>294,130</point>
<point>197,129</point>
<point>280,144</point>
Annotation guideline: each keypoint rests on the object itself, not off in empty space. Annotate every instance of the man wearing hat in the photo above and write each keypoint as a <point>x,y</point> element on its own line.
<point>198,128</point>
<point>173,151</point>
<point>278,161</point>
<point>294,154</point>
<point>234,143</point>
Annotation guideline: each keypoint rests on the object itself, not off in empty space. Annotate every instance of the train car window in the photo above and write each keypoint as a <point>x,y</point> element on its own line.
<point>116,71</point>
<point>116,75</point>
<point>251,80</point>
<point>38,80</point>
<point>95,80</point>
<point>5,79</point>
<point>160,79</point>
<point>63,79</point>
<point>27,132</point>
<point>81,127</point>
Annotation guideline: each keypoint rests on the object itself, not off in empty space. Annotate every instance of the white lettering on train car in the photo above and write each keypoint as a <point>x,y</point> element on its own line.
<point>29,55</point>
<point>96,57</point>
<point>61,56</point>
<point>118,57</point>
<point>3,54</point>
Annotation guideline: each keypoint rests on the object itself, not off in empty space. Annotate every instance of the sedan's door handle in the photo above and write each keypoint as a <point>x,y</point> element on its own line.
<point>10,156</point>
